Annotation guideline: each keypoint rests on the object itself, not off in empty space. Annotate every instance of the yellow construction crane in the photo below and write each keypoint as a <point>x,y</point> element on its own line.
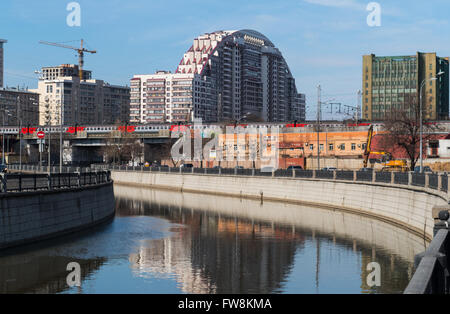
<point>367,151</point>
<point>80,51</point>
<point>389,164</point>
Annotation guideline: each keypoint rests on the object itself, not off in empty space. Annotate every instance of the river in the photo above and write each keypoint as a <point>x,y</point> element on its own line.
<point>172,242</point>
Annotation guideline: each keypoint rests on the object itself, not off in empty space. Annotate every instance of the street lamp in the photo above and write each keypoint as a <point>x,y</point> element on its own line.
<point>420,117</point>
<point>3,137</point>
<point>61,118</point>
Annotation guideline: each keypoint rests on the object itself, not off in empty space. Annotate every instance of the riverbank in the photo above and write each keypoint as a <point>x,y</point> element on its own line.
<point>28,217</point>
<point>407,207</point>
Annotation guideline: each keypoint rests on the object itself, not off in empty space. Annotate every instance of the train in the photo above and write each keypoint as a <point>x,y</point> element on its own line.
<point>149,128</point>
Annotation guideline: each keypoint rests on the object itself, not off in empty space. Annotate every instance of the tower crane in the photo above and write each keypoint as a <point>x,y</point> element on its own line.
<point>80,51</point>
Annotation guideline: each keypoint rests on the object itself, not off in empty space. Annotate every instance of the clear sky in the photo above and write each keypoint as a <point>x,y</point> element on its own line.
<point>322,40</point>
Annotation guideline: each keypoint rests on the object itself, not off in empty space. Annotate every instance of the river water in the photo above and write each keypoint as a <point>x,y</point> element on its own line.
<point>170,242</point>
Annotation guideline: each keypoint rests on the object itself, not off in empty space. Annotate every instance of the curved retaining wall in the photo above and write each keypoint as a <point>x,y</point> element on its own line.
<point>32,216</point>
<point>406,207</point>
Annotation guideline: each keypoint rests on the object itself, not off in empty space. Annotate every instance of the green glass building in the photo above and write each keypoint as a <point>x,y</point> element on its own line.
<point>392,84</point>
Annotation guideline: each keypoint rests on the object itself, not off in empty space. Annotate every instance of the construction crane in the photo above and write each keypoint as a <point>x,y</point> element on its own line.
<point>80,51</point>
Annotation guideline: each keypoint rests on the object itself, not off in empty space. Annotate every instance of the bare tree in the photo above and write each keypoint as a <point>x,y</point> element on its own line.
<point>402,127</point>
<point>123,147</point>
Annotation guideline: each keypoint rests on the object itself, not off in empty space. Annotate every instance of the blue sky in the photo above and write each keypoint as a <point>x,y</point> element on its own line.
<point>322,40</point>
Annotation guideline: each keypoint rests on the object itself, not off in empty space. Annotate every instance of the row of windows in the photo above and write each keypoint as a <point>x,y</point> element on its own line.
<point>339,147</point>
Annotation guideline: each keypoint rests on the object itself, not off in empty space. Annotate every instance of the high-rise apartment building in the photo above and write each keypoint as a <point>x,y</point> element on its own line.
<point>168,97</point>
<point>2,41</point>
<point>224,76</point>
<point>85,102</point>
<point>393,83</point>
<point>247,74</point>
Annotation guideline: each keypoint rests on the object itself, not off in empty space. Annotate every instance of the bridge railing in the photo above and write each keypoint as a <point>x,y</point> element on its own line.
<point>432,267</point>
<point>27,182</point>
<point>433,181</point>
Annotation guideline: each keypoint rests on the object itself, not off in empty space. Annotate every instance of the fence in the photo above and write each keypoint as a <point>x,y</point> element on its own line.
<point>433,181</point>
<point>25,182</point>
<point>53,169</point>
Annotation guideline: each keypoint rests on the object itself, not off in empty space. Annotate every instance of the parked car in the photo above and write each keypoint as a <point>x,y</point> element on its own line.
<point>329,169</point>
<point>239,167</point>
<point>267,169</point>
<point>366,169</point>
<point>425,169</point>
<point>3,168</point>
<point>294,168</point>
<point>187,166</point>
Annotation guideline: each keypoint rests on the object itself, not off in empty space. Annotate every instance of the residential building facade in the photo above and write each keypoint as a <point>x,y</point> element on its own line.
<point>19,107</point>
<point>393,83</point>
<point>169,97</point>
<point>84,102</point>
<point>247,75</point>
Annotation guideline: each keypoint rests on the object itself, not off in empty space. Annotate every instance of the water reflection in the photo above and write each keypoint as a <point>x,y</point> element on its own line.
<point>169,242</point>
<point>243,246</point>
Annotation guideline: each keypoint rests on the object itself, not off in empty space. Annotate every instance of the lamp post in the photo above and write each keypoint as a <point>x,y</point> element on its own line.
<point>3,137</point>
<point>420,117</point>
<point>20,133</point>
<point>61,110</point>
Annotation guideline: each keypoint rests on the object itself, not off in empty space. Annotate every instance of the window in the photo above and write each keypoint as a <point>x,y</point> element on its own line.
<point>331,147</point>
<point>353,146</point>
<point>311,146</point>
<point>342,147</point>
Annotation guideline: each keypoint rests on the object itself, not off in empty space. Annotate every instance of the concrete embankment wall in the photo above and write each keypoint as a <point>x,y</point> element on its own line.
<point>406,207</point>
<point>32,216</point>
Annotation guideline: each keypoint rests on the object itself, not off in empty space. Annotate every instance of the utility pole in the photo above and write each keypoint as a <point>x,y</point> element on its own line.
<point>49,148</point>
<point>318,125</point>
<point>358,106</point>
<point>61,117</point>
<point>3,137</point>
<point>20,133</point>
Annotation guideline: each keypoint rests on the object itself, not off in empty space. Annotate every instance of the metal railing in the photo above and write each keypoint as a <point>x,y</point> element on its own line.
<point>27,182</point>
<point>432,181</point>
<point>51,169</point>
<point>432,267</point>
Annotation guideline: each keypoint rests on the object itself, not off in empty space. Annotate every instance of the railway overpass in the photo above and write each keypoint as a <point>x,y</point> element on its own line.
<point>85,143</point>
